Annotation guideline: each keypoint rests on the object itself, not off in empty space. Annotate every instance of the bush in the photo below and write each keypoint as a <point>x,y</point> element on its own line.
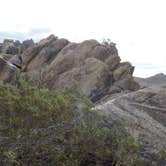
<point>39,127</point>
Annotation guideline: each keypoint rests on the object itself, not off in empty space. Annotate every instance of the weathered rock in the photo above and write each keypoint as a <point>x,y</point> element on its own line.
<point>31,52</point>
<point>124,85</point>
<point>143,113</point>
<point>8,72</point>
<point>124,70</point>
<point>8,47</point>
<point>47,40</point>
<point>113,62</point>
<point>47,54</point>
<point>88,78</point>
<point>94,67</point>
<point>16,60</point>
<point>103,52</point>
<point>57,63</point>
<point>72,56</point>
<point>26,44</point>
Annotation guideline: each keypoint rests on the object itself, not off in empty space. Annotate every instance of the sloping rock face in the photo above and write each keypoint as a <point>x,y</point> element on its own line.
<point>143,113</point>
<point>93,67</point>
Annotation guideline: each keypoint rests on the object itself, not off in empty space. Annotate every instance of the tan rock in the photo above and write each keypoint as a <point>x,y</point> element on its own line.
<point>124,70</point>
<point>94,67</point>
<point>30,53</point>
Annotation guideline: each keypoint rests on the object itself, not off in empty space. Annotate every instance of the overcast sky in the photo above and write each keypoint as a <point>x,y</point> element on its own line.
<point>137,26</point>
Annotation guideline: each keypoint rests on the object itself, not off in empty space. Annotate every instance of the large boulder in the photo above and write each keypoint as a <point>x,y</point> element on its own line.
<point>113,62</point>
<point>47,54</point>
<point>8,72</point>
<point>31,52</point>
<point>83,63</point>
<point>124,70</point>
<point>126,84</point>
<point>90,78</point>
<point>143,113</point>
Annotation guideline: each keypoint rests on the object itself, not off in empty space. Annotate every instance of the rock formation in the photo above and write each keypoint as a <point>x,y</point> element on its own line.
<point>57,63</point>
<point>143,113</point>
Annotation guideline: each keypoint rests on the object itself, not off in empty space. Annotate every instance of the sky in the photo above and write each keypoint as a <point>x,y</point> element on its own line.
<point>138,27</point>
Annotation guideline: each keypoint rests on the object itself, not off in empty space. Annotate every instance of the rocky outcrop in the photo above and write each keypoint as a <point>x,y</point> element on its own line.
<point>47,53</point>
<point>143,113</point>
<point>10,47</point>
<point>95,68</point>
<point>8,72</point>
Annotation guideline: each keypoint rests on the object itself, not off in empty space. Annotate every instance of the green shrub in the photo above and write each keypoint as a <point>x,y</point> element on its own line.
<point>40,127</point>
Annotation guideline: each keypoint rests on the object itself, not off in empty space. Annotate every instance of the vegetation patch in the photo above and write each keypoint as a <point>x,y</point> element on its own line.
<point>39,127</point>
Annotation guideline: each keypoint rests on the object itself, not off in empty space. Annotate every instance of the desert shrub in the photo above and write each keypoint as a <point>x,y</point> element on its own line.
<point>39,127</point>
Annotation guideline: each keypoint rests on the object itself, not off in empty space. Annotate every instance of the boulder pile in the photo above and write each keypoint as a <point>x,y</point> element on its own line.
<point>95,68</point>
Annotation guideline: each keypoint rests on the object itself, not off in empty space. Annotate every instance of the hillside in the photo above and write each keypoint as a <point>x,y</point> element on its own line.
<point>76,104</point>
<point>158,79</point>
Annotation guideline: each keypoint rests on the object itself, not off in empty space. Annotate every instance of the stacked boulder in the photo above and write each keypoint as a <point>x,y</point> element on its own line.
<point>10,59</point>
<point>94,67</point>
